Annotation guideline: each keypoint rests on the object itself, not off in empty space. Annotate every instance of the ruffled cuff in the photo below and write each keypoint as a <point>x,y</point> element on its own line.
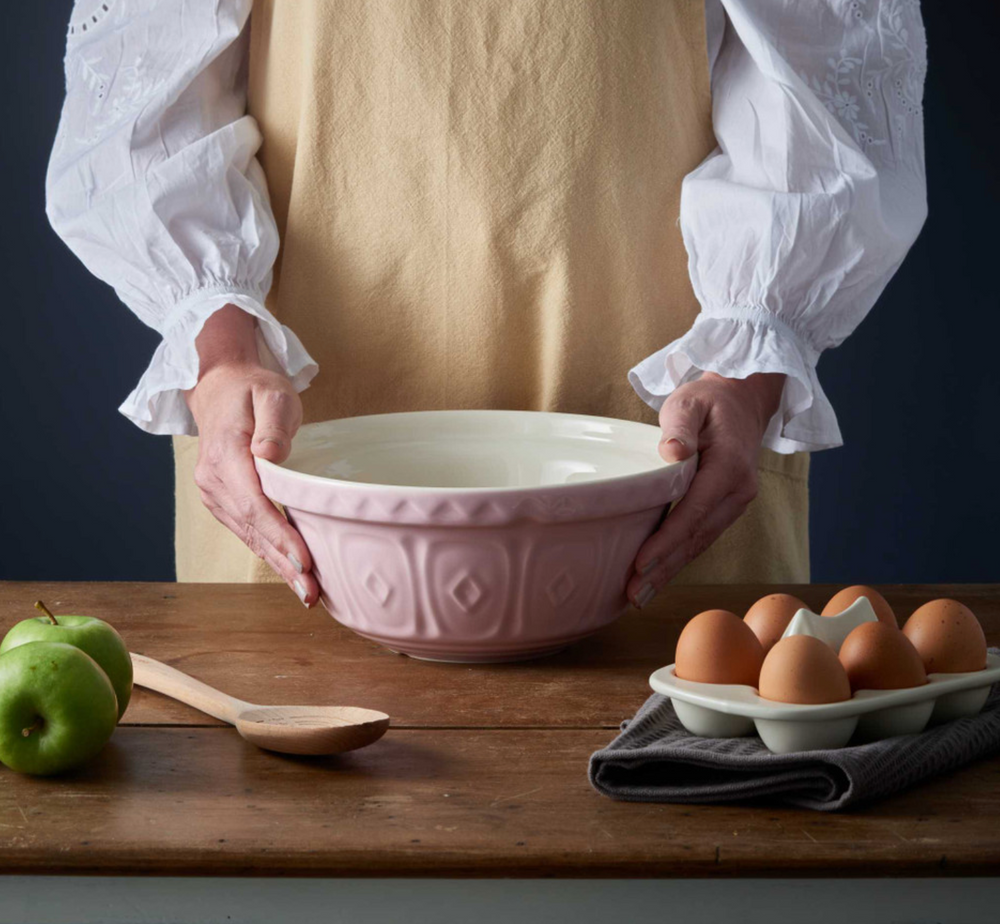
<point>157,404</point>
<point>735,344</point>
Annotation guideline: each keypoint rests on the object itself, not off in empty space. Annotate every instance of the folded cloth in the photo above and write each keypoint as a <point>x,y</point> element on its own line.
<point>655,759</point>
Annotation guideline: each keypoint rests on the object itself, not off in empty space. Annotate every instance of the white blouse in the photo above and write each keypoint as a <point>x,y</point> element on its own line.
<point>793,225</point>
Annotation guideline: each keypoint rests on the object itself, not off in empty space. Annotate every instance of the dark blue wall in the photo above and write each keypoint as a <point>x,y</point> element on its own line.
<point>86,495</point>
<point>913,495</point>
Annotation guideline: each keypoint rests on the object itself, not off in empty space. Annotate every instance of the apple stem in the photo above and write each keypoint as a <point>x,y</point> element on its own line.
<point>33,727</point>
<point>41,606</point>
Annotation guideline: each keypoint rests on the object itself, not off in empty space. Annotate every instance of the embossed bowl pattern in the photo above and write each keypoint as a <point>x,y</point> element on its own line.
<point>475,535</point>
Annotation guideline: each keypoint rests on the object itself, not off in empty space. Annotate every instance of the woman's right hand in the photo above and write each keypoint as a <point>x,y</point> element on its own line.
<point>244,410</point>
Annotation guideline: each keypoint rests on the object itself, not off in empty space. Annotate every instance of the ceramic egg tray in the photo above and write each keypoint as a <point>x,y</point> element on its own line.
<point>716,710</point>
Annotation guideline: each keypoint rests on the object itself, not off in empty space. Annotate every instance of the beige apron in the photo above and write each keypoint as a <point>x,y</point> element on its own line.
<point>478,206</point>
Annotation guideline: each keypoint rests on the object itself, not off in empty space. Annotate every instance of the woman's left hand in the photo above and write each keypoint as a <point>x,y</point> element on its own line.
<point>724,421</point>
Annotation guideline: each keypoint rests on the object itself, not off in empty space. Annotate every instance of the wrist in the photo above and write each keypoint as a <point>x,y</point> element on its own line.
<point>228,337</point>
<point>762,389</point>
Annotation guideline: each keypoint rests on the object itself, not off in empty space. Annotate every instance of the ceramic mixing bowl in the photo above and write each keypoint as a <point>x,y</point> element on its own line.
<point>475,535</point>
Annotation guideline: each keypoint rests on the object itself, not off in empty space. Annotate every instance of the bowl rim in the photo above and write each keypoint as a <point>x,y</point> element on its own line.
<point>279,470</point>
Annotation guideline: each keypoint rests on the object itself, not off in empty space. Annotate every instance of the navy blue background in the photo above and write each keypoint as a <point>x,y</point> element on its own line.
<point>912,496</point>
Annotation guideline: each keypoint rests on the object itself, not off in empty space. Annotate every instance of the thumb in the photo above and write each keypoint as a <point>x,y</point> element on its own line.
<point>681,421</point>
<point>277,414</point>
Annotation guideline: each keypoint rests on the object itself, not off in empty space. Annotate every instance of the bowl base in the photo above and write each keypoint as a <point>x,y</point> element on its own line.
<point>451,657</point>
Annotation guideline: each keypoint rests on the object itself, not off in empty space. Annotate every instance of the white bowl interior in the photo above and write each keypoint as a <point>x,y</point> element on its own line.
<point>474,449</point>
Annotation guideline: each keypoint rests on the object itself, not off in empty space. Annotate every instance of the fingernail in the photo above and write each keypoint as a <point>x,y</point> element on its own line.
<point>301,591</point>
<point>269,439</point>
<point>646,593</point>
<point>649,566</point>
<point>295,562</point>
<point>677,440</point>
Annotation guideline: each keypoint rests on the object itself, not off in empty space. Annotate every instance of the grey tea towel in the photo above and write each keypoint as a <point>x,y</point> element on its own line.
<point>655,759</point>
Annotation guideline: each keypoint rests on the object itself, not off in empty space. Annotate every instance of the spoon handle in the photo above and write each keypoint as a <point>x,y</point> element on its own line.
<point>164,679</point>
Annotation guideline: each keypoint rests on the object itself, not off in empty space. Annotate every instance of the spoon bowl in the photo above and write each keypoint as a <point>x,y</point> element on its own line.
<point>285,729</point>
<point>311,729</point>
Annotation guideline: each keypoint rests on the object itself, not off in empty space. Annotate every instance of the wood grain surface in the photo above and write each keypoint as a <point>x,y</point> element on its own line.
<point>483,772</point>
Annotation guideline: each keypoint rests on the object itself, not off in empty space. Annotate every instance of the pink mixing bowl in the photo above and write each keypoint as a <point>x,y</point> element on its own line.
<point>475,535</point>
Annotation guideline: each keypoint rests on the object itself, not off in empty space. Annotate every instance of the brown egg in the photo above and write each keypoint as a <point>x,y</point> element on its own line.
<point>770,616</point>
<point>948,637</point>
<point>877,656</point>
<point>718,647</point>
<point>841,600</point>
<point>803,669</point>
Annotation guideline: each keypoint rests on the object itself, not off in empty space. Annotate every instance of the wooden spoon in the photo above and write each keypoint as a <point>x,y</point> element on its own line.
<point>288,729</point>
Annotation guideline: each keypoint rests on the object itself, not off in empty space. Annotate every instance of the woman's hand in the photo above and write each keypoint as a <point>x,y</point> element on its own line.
<point>244,410</point>
<point>724,421</point>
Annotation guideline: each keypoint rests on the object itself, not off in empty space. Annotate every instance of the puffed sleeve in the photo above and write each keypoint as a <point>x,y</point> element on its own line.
<point>797,221</point>
<point>154,184</point>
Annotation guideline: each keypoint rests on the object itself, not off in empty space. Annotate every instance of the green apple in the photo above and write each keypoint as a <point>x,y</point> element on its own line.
<point>90,634</point>
<point>57,707</point>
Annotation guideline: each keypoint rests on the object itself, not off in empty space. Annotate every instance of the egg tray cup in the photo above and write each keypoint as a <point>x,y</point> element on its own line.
<point>715,710</point>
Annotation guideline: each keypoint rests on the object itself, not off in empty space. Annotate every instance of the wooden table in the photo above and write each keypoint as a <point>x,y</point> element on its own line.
<point>483,773</point>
